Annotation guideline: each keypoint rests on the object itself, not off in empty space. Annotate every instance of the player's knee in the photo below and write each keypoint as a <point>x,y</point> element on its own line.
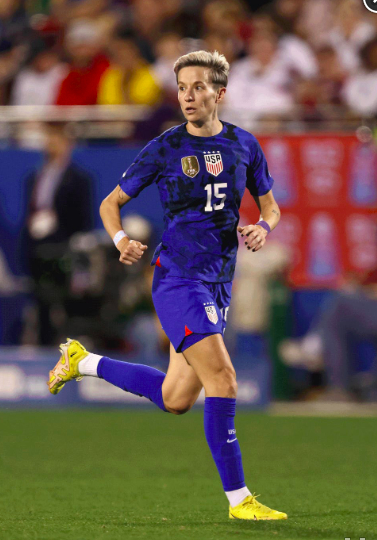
<point>179,411</point>
<point>178,407</point>
<point>231,384</point>
<point>223,383</point>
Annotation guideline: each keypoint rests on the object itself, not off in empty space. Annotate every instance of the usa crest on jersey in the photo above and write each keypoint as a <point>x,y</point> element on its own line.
<point>211,314</point>
<point>214,163</point>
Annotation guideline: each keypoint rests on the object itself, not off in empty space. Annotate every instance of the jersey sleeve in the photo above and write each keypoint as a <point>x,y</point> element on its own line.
<point>259,180</point>
<point>144,170</point>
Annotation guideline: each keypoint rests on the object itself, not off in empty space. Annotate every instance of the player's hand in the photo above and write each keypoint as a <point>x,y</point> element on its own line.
<point>255,236</point>
<point>131,251</point>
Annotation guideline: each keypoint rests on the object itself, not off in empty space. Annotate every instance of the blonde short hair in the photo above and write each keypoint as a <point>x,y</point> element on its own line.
<point>215,62</point>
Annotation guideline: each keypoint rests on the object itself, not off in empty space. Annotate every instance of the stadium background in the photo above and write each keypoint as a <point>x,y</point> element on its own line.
<point>96,74</point>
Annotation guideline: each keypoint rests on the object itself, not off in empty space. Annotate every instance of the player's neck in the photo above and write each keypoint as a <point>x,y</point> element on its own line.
<point>205,129</point>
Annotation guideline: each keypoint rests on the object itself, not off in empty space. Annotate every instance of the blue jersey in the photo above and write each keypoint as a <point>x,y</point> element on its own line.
<point>201,181</point>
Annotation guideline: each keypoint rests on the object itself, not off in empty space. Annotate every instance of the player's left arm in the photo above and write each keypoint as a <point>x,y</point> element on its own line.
<point>255,235</point>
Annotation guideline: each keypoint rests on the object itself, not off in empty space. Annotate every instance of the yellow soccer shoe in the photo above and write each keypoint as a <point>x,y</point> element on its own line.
<point>250,508</point>
<point>67,367</point>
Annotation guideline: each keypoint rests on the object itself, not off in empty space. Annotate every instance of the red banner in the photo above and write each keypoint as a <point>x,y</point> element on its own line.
<point>326,187</point>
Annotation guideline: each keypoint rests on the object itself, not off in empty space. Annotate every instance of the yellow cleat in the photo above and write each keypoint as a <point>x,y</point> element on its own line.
<point>67,367</point>
<point>250,508</point>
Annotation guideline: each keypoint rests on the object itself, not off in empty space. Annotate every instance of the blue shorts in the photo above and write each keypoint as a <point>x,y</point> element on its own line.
<point>189,308</point>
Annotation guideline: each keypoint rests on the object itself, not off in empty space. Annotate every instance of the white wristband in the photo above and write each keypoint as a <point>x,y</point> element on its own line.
<point>119,236</point>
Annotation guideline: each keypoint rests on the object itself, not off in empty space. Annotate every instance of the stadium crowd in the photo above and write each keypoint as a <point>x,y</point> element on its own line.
<point>283,53</point>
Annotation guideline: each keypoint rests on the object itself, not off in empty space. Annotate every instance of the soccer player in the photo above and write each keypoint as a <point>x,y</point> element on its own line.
<point>201,168</point>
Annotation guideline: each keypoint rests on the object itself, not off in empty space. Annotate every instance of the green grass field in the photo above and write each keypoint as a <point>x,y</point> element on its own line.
<point>113,475</point>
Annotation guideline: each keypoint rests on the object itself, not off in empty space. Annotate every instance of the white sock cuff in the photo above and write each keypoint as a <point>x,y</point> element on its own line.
<point>237,496</point>
<point>88,366</point>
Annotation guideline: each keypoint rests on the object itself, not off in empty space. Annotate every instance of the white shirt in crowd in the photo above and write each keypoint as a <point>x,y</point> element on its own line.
<point>164,74</point>
<point>253,93</point>
<point>348,49</point>
<point>360,93</point>
<point>33,88</point>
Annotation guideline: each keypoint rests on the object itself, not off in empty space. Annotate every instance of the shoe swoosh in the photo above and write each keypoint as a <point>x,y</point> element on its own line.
<point>228,441</point>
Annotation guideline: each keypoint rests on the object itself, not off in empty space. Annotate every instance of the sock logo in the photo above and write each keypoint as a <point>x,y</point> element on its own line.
<point>231,432</point>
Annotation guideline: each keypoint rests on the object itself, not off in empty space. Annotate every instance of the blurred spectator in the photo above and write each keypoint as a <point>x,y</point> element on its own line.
<point>87,64</point>
<point>349,318</point>
<point>350,32</point>
<point>261,82</point>
<point>297,56</point>
<point>120,295</point>
<point>66,11</point>
<point>295,53</point>
<point>253,275</point>
<point>59,206</point>
<point>167,49</point>
<point>13,24</point>
<point>129,79</point>
<point>326,88</point>
<point>148,17</point>
<point>14,32</point>
<point>331,76</point>
<point>286,14</point>
<point>105,13</point>
<point>360,92</point>
<point>9,283</point>
<point>133,296</point>
<point>222,44</point>
<point>315,21</point>
<point>227,19</point>
<point>38,82</point>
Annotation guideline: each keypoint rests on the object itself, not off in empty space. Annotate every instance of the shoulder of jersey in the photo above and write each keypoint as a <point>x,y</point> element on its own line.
<point>171,131</point>
<point>242,135</point>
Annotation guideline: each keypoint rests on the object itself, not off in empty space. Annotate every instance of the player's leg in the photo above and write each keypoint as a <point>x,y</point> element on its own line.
<point>77,362</point>
<point>179,388</point>
<point>212,364</point>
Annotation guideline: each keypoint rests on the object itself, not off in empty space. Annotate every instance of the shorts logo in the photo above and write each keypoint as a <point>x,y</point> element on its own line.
<point>190,166</point>
<point>214,163</point>
<point>211,314</point>
<point>371,5</point>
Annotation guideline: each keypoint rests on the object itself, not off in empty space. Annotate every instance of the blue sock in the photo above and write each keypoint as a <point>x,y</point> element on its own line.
<point>220,433</point>
<point>134,378</point>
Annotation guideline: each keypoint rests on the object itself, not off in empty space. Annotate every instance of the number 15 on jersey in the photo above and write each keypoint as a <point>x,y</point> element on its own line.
<point>217,194</point>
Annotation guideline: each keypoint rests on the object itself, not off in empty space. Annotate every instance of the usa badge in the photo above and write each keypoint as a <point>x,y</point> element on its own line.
<point>190,166</point>
<point>214,163</point>
<point>211,314</point>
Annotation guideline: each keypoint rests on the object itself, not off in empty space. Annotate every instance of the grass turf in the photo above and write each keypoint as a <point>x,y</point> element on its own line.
<point>88,475</point>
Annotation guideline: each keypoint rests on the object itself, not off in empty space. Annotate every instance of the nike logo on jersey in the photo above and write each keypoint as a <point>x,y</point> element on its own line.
<point>231,440</point>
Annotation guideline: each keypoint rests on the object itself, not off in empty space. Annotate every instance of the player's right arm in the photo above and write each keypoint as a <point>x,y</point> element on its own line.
<point>130,250</point>
<point>143,172</point>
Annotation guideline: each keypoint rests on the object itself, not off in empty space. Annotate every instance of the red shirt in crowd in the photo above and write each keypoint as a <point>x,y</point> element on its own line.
<point>81,84</point>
